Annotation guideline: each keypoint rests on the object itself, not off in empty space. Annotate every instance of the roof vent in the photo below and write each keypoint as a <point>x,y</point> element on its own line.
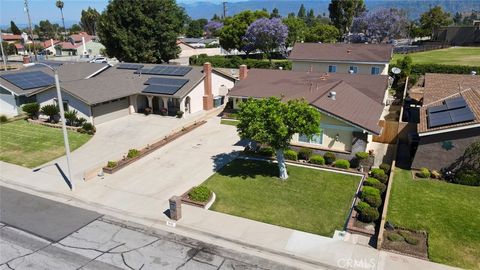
<point>350,71</point>
<point>473,72</point>
<point>349,51</point>
<point>332,95</point>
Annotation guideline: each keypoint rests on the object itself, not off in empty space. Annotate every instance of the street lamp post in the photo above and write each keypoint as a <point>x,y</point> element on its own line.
<point>62,117</point>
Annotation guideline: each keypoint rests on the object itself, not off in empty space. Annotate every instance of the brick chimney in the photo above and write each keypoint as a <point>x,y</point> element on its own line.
<point>243,72</point>
<point>207,92</point>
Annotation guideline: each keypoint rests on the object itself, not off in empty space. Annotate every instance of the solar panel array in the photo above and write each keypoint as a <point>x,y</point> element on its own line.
<point>130,66</point>
<point>165,70</point>
<point>164,86</point>
<point>452,111</point>
<point>29,80</point>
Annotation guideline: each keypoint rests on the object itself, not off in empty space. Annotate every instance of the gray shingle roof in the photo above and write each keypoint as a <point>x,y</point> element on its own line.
<point>342,52</point>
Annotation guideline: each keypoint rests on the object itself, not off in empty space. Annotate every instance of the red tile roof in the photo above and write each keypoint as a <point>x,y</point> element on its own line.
<point>11,37</point>
<point>342,52</point>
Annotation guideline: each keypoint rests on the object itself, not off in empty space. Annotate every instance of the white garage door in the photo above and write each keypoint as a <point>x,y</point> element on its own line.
<point>110,110</point>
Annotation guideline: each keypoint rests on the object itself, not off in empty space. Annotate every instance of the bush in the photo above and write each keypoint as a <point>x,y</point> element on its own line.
<point>87,128</point>
<point>3,119</point>
<point>367,191</point>
<point>305,153</point>
<point>361,206</point>
<point>395,237</point>
<point>409,238</point>
<point>382,178</point>
<point>376,172</point>
<point>80,122</point>
<point>266,151</point>
<point>342,163</point>
<point>373,200</point>
<point>317,159</point>
<point>71,117</point>
<point>50,110</point>
<point>436,68</point>
<point>199,194</point>
<point>423,173</point>
<point>467,177</point>
<point>373,182</point>
<point>290,154</point>
<point>236,61</point>
<point>385,167</point>
<point>133,153</point>
<point>112,164</point>
<point>361,155</point>
<point>31,109</point>
<point>369,214</point>
<point>180,114</point>
<point>329,158</point>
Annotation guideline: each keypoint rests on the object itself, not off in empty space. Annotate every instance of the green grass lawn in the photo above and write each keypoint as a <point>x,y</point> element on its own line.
<point>450,213</point>
<point>30,145</point>
<point>310,200</point>
<point>467,56</point>
<point>229,122</point>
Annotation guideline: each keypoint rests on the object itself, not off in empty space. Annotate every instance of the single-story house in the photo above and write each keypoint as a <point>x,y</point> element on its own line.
<point>449,119</point>
<point>458,35</point>
<point>201,42</point>
<point>17,87</point>
<point>351,105</point>
<point>84,44</point>
<point>346,58</point>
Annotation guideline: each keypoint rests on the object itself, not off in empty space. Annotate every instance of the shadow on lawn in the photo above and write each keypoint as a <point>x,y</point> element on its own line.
<point>243,168</point>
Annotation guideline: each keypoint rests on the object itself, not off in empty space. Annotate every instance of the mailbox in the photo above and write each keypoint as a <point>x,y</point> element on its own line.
<point>175,207</point>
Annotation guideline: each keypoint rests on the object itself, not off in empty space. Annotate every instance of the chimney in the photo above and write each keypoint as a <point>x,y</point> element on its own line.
<point>243,72</point>
<point>332,95</point>
<point>207,83</point>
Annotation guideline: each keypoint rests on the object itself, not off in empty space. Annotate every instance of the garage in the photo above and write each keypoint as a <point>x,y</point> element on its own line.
<point>110,110</point>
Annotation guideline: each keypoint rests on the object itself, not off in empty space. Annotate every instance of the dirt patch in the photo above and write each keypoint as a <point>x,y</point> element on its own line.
<point>406,242</point>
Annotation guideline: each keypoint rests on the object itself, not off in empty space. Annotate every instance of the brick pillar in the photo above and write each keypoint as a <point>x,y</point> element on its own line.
<point>243,72</point>
<point>207,93</point>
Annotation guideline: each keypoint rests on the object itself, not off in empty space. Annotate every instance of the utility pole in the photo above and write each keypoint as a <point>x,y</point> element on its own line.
<point>3,52</point>
<point>31,30</point>
<point>224,10</point>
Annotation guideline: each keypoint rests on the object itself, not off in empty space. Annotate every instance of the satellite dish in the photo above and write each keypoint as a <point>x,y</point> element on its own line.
<point>396,70</point>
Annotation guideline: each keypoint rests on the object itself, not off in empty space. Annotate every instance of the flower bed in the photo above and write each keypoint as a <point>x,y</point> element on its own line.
<point>406,242</point>
<point>136,154</point>
<point>43,123</point>
<point>187,199</point>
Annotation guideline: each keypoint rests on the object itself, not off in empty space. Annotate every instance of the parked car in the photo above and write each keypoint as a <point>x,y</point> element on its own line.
<point>99,60</point>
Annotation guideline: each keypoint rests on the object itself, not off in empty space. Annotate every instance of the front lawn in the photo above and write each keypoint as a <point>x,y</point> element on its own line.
<point>466,56</point>
<point>450,213</point>
<point>31,145</point>
<point>310,200</point>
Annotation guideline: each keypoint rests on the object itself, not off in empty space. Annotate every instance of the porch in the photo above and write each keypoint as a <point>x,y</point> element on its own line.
<point>161,105</point>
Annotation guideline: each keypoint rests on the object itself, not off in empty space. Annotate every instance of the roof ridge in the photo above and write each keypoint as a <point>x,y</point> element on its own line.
<point>449,96</point>
<point>328,90</point>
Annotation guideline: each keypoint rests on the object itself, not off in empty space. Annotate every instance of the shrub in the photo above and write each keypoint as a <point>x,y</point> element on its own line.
<point>329,158</point>
<point>369,214</point>
<point>71,117</point>
<point>436,68</point>
<point>290,154</point>
<point>423,173</point>
<point>31,109</point>
<point>373,200</point>
<point>342,163</point>
<point>87,128</point>
<point>80,121</point>
<point>199,194</point>
<point>50,110</point>
<point>409,238</point>
<point>133,153</point>
<point>305,153</point>
<point>382,178</point>
<point>373,182</point>
<point>361,206</point>
<point>3,119</point>
<point>361,155</point>
<point>435,174</point>
<point>395,237</point>
<point>147,111</point>
<point>467,177</point>
<point>376,172</point>
<point>266,151</point>
<point>367,191</point>
<point>317,159</point>
<point>179,114</point>
<point>385,167</point>
<point>112,164</point>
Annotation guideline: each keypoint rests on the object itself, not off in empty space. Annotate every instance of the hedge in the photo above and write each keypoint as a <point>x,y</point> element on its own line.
<point>317,159</point>
<point>373,182</point>
<point>436,68</point>
<point>342,163</point>
<point>366,191</point>
<point>290,155</point>
<point>467,177</point>
<point>236,61</point>
<point>369,214</point>
<point>373,200</point>
<point>266,151</point>
<point>329,158</point>
<point>305,153</point>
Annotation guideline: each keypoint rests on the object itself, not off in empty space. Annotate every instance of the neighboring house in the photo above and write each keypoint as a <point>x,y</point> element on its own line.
<point>350,105</point>
<point>341,58</point>
<point>449,119</point>
<point>84,45</point>
<point>17,87</point>
<point>187,50</point>
<point>131,88</point>
<point>49,46</point>
<point>458,35</point>
<point>201,42</point>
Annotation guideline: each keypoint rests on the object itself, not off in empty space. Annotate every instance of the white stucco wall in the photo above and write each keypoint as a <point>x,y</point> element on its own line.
<point>322,67</point>
<point>196,98</point>
<point>47,97</point>
<point>221,85</point>
<point>8,106</point>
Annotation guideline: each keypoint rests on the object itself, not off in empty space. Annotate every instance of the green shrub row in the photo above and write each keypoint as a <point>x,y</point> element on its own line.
<point>423,173</point>
<point>436,68</point>
<point>342,163</point>
<point>133,153</point>
<point>236,61</point>
<point>467,177</point>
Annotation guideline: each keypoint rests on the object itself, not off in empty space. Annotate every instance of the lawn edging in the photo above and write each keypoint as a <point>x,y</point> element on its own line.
<point>38,122</point>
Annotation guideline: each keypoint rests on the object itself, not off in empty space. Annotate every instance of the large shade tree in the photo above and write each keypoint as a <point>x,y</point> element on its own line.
<point>212,28</point>
<point>342,13</point>
<point>322,33</point>
<point>89,20</point>
<point>297,29</point>
<point>14,28</point>
<point>434,18</point>
<point>267,35</point>
<point>142,31</point>
<point>234,28</point>
<point>272,121</point>
<point>382,24</point>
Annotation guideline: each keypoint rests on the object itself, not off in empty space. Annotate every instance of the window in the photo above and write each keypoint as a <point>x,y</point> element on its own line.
<point>65,104</point>
<point>375,70</point>
<point>316,139</point>
<point>332,69</point>
<point>353,69</point>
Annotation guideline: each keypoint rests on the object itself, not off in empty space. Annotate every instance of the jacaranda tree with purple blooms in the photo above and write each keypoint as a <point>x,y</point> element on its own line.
<point>212,28</point>
<point>266,35</point>
<point>381,24</point>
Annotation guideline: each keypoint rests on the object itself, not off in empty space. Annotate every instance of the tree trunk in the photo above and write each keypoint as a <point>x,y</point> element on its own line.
<point>281,164</point>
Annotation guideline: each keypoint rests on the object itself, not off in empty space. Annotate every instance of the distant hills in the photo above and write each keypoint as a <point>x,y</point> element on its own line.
<point>413,7</point>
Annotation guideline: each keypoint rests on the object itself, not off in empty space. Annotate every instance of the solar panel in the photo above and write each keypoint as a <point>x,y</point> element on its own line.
<point>29,80</point>
<point>461,115</point>
<point>166,81</point>
<point>129,66</point>
<point>435,109</point>
<point>166,70</point>
<point>439,119</point>
<point>161,89</point>
<point>454,103</point>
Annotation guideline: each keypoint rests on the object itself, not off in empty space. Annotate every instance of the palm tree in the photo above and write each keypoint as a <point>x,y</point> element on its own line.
<point>59,5</point>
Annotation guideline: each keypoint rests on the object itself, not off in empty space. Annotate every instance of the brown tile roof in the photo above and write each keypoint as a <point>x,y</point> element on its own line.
<point>439,87</point>
<point>342,52</point>
<point>358,97</point>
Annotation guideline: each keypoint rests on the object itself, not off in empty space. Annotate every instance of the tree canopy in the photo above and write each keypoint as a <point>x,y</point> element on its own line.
<point>141,31</point>
<point>212,28</point>
<point>273,122</point>
<point>89,20</point>
<point>266,35</point>
<point>234,28</point>
<point>434,18</point>
<point>75,29</point>
<point>297,30</point>
<point>381,24</point>
<point>195,28</point>
<point>302,12</point>
<point>46,30</point>
<point>14,28</point>
<point>322,33</point>
<point>275,13</point>
<point>342,13</point>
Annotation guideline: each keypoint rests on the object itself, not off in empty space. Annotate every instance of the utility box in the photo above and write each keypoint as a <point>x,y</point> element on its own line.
<point>175,207</point>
